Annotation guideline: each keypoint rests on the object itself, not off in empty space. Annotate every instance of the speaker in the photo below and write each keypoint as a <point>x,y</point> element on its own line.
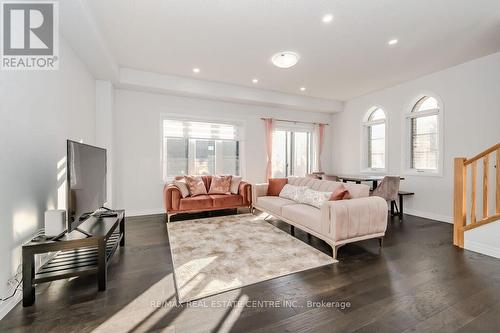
<point>55,222</point>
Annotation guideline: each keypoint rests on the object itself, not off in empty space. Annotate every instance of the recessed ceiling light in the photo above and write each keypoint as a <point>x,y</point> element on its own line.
<point>302,88</point>
<point>392,42</point>
<point>327,18</point>
<point>255,80</point>
<point>285,59</point>
<point>196,70</point>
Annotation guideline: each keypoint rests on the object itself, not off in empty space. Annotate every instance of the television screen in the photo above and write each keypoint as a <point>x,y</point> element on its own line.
<point>86,177</point>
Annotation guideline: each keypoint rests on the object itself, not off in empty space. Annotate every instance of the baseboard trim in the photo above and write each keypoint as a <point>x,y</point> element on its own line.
<point>428,215</point>
<point>9,304</point>
<point>142,212</point>
<point>482,248</point>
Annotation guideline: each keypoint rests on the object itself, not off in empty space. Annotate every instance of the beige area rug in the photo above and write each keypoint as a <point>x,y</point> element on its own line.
<point>218,254</point>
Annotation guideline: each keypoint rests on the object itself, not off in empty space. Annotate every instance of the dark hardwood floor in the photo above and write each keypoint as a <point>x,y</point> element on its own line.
<point>418,282</point>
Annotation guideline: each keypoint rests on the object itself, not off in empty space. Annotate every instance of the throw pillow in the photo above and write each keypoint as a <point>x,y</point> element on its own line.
<point>314,198</point>
<point>220,185</point>
<point>275,186</point>
<point>182,186</point>
<point>235,184</point>
<point>340,193</point>
<point>195,185</point>
<point>292,192</point>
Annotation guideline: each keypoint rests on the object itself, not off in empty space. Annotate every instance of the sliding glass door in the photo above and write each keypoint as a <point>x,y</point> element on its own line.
<point>292,153</point>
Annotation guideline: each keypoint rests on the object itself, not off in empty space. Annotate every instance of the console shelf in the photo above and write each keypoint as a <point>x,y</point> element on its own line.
<point>75,254</point>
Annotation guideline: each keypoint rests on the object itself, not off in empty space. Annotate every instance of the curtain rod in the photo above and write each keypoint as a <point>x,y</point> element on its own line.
<point>296,121</point>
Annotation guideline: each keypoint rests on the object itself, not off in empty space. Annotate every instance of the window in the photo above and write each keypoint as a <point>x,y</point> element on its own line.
<point>292,152</point>
<point>199,148</point>
<point>374,128</point>
<point>423,123</point>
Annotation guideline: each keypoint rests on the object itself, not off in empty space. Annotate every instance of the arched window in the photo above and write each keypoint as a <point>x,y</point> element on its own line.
<point>423,123</point>
<point>374,133</point>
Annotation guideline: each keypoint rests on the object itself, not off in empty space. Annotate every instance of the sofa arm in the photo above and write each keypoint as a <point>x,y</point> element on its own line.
<point>171,197</point>
<point>259,190</point>
<point>347,219</point>
<point>245,190</point>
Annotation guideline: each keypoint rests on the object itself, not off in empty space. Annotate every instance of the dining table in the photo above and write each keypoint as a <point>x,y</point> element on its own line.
<point>358,179</point>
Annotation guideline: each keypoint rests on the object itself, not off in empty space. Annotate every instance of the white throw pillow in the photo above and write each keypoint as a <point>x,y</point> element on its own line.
<point>182,186</point>
<point>235,184</point>
<point>292,192</point>
<point>314,198</point>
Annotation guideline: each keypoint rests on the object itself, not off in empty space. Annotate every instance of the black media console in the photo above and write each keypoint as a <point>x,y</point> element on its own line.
<point>80,252</point>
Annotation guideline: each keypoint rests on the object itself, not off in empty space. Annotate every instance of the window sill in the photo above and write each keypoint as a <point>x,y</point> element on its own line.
<point>413,172</point>
<point>374,171</point>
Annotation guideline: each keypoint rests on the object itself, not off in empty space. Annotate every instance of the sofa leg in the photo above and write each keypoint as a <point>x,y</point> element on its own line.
<point>168,218</point>
<point>335,249</point>
<point>381,241</point>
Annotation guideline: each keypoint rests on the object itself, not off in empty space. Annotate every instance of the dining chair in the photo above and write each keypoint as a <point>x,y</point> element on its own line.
<point>388,189</point>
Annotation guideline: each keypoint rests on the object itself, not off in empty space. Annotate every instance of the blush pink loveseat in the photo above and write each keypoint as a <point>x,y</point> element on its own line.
<point>175,203</point>
<point>337,222</point>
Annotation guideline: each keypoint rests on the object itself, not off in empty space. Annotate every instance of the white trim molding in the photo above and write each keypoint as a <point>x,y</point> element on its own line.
<point>482,248</point>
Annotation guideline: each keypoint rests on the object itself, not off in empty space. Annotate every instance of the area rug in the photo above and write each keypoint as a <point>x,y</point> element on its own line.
<point>218,254</point>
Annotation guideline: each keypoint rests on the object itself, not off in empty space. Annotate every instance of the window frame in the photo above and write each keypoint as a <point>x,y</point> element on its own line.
<point>407,137</point>
<point>365,128</point>
<point>294,127</point>
<point>236,122</point>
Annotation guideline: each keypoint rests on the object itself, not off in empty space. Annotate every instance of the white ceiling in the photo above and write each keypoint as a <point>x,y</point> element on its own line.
<point>232,41</point>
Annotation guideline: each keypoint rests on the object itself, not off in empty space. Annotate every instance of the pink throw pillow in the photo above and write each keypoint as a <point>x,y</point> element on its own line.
<point>220,185</point>
<point>340,193</point>
<point>195,185</point>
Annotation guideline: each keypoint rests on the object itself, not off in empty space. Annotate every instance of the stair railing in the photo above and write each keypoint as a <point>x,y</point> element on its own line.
<point>460,225</point>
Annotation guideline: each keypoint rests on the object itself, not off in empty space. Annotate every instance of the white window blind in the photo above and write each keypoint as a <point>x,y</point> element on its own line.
<point>199,130</point>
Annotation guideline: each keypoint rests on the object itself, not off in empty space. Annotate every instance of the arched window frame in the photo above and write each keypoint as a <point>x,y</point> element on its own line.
<point>366,124</point>
<point>411,114</point>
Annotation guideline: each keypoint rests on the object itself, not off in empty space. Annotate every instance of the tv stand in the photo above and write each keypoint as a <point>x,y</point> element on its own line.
<point>83,251</point>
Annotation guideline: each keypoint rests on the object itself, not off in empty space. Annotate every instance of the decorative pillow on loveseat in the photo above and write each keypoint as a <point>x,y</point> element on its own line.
<point>340,193</point>
<point>292,192</point>
<point>196,185</point>
<point>182,186</point>
<point>220,185</point>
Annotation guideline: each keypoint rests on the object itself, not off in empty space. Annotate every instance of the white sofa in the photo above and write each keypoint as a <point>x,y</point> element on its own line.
<point>337,222</point>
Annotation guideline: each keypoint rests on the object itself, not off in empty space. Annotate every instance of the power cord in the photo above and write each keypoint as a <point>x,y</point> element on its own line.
<point>13,293</point>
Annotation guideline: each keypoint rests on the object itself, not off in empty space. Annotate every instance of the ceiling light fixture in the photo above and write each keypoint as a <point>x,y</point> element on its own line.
<point>392,42</point>
<point>327,18</point>
<point>302,88</point>
<point>285,59</point>
<point>196,70</point>
<point>255,80</point>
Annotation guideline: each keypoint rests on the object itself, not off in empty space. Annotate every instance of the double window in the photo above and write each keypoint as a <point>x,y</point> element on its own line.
<point>200,148</point>
<point>374,129</point>
<point>292,152</point>
<point>423,123</point>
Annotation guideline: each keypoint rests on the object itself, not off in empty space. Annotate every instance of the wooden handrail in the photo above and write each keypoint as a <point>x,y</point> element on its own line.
<point>483,154</point>
<point>459,195</point>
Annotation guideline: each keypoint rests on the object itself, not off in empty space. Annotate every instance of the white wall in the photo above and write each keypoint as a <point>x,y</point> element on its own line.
<point>38,112</point>
<point>138,168</point>
<point>471,104</point>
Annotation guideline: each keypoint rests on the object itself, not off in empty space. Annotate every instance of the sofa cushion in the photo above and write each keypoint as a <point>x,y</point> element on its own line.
<point>292,192</point>
<point>220,185</point>
<point>355,190</point>
<point>198,202</point>
<point>303,214</point>
<point>226,200</point>
<point>182,186</point>
<point>196,185</point>
<point>275,186</point>
<point>314,198</point>
<point>340,193</point>
<point>273,204</point>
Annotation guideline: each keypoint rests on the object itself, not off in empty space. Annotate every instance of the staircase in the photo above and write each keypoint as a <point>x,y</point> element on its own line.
<point>466,219</point>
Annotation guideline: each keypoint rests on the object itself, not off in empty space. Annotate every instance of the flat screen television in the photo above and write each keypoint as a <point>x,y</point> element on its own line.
<point>86,181</point>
